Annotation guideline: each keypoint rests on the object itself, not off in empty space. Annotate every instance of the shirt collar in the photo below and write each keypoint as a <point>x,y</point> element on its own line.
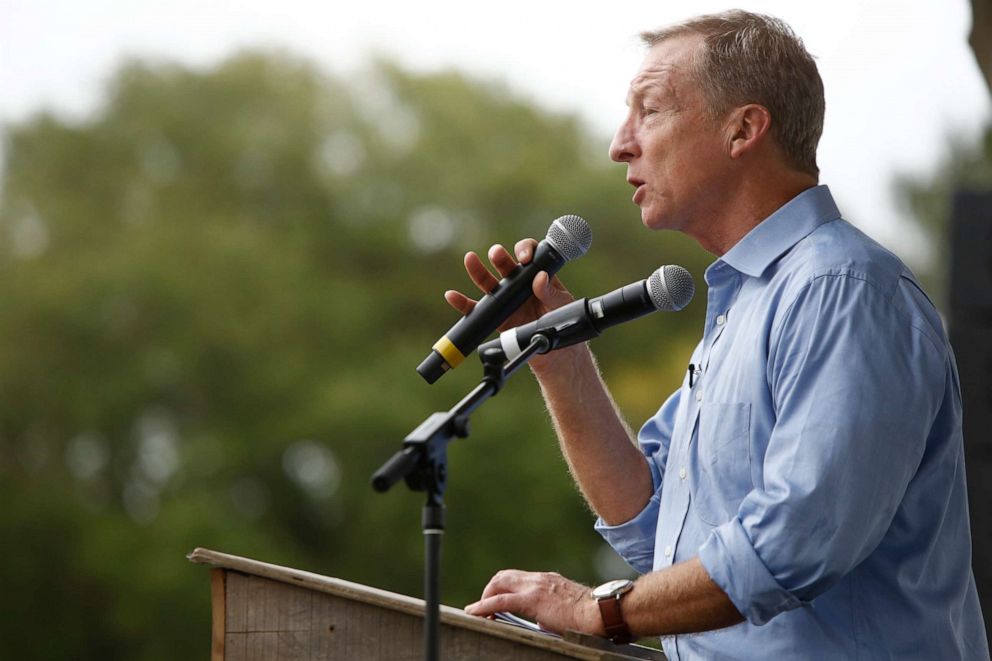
<point>777,233</point>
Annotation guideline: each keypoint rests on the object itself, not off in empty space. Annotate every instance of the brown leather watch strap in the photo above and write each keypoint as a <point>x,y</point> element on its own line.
<point>613,622</point>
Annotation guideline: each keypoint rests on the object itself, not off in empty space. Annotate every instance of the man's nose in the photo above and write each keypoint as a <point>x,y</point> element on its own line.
<point>624,146</point>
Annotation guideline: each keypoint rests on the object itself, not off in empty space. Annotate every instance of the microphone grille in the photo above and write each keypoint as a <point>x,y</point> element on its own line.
<point>570,236</point>
<point>671,288</point>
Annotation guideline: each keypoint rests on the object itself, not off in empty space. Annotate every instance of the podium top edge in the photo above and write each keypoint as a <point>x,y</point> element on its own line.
<point>413,606</point>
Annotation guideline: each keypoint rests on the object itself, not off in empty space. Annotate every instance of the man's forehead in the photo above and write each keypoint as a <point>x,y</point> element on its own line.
<point>664,63</point>
<point>653,76</point>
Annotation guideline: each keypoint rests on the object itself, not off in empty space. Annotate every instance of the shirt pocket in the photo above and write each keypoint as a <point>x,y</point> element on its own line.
<point>722,462</point>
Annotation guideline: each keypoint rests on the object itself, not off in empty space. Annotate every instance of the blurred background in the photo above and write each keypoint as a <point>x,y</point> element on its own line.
<point>225,230</point>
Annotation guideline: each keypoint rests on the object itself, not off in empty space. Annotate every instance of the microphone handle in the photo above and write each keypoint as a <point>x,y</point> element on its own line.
<point>622,305</point>
<point>492,309</point>
<point>581,320</point>
<point>569,324</point>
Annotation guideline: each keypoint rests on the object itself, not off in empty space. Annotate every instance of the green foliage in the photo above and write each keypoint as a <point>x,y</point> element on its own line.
<point>215,292</point>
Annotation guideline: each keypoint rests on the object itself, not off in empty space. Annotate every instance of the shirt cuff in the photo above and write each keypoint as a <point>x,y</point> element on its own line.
<point>731,561</point>
<point>634,539</point>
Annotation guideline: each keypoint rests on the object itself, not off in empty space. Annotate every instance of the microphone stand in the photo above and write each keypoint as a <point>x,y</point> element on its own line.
<point>423,463</point>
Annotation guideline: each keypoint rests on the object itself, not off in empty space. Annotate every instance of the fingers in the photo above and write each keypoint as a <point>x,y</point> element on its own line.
<point>462,303</point>
<point>508,601</point>
<point>503,581</point>
<point>502,593</point>
<point>479,274</point>
<point>524,250</point>
<point>555,602</point>
<point>502,261</point>
<point>551,292</point>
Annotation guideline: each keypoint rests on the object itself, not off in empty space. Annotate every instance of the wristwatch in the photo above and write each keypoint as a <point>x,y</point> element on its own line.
<point>608,597</point>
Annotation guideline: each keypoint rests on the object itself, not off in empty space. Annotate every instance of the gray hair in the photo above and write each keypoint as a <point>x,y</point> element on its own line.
<point>754,58</point>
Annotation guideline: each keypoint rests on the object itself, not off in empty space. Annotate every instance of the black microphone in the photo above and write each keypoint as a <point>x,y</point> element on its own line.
<point>568,238</point>
<point>670,289</point>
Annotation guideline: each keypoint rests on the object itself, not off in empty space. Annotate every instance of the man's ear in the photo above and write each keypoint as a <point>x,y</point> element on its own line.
<point>748,126</point>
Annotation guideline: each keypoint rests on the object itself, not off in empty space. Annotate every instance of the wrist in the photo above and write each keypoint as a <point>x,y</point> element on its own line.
<point>608,598</point>
<point>592,617</point>
<point>561,363</point>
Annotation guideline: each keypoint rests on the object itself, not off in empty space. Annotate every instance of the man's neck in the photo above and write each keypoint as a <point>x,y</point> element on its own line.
<point>743,209</point>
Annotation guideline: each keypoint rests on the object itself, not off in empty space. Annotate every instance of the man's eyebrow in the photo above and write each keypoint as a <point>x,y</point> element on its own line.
<point>644,82</point>
<point>638,90</point>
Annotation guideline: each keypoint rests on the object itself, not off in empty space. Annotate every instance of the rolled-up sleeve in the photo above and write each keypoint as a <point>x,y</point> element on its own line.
<point>634,539</point>
<point>731,561</point>
<point>856,383</point>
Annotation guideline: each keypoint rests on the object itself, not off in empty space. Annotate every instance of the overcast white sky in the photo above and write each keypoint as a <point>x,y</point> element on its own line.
<point>899,75</point>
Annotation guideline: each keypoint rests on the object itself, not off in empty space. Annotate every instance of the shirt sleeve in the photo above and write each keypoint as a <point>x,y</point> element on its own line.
<point>856,384</point>
<point>634,539</point>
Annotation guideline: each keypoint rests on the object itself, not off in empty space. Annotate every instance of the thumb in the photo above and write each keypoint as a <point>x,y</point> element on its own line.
<point>552,293</point>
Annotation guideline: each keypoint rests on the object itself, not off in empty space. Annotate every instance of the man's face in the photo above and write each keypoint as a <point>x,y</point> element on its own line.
<point>676,155</point>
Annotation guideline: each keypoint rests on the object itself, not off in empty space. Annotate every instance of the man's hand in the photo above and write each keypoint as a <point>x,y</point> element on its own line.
<point>548,294</point>
<point>554,602</point>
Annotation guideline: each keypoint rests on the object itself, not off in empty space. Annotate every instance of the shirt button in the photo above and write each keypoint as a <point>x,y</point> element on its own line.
<point>721,320</point>
<point>668,551</point>
<point>699,395</point>
<point>682,473</point>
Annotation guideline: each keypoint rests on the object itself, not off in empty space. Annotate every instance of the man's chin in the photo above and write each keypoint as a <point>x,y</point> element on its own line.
<point>647,218</point>
<point>653,220</point>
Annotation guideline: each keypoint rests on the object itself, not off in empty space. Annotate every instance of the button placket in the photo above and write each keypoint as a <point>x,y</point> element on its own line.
<point>723,296</point>
<point>668,542</point>
<point>720,324</point>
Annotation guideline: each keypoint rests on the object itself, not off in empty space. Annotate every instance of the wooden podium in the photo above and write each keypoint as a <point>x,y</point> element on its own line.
<point>264,612</point>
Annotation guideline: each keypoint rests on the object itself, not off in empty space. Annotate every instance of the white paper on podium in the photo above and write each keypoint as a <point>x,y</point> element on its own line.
<point>510,618</point>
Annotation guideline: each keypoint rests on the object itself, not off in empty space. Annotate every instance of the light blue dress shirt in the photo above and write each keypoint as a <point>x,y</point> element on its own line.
<point>815,463</point>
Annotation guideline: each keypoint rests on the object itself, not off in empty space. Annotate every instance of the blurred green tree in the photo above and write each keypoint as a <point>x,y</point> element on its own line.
<point>215,291</point>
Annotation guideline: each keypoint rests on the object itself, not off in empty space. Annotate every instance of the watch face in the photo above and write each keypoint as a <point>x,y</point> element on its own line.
<point>612,588</point>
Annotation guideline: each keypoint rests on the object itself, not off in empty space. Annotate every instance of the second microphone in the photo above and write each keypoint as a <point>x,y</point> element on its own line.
<point>669,289</point>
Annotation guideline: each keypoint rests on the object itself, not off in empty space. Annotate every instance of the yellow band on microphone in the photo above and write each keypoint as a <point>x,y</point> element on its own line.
<point>449,352</point>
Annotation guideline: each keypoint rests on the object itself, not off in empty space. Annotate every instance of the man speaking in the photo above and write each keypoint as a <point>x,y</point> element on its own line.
<point>802,495</point>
